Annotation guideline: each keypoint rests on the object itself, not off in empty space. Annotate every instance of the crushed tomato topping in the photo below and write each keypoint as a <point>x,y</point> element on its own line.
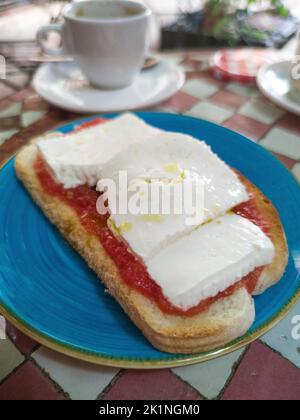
<point>132,270</point>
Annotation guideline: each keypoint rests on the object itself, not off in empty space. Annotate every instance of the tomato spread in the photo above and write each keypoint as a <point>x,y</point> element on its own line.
<point>132,270</point>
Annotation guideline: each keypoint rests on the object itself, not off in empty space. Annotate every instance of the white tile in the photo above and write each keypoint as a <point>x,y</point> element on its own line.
<point>31,117</point>
<point>209,378</point>
<point>10,358</point>
<point>81,380</point>
<point>283,142</point>
<point>262,111</point>
<point>296,171</point>
<point>282,339</point>
<point>200,89</point>
<point>175,58</point>
<point>211,112</point>
<point>12,110</point>
<point>243,90</point>
<point>5,135</point>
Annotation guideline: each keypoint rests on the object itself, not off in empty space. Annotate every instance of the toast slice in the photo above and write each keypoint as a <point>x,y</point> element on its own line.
<point>226,320</point>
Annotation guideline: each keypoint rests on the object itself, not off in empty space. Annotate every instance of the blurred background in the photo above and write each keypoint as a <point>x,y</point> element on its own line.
<point>176,25</point>
<point>179,23</point>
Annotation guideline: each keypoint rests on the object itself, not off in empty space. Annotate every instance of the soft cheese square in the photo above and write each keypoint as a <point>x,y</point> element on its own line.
<point>171,158</point>
<point>78,158</point>
<point>210,260</point>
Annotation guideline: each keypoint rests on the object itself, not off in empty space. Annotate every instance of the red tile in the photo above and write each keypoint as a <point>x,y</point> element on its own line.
<point>288,162</point>
<point>20,95</point>
<point>34,102</point>
<point>9,123</point>
<point>181,102</point>
<point>150,385</point>
<point>247,126</point>
<point>28,383</point>
<point>264,375</point>
<point>12,145</point>
<point>25,344</point>
<point>230,99</point>
<point>290,122</point>
<point>197,75</point>
<point>3,156</point>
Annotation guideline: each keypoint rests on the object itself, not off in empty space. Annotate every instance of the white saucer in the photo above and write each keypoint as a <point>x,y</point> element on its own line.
<point>275,82</point>
<point>64,86</point>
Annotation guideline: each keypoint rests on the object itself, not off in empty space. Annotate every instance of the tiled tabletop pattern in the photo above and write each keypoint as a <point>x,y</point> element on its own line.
<point>268,369</point>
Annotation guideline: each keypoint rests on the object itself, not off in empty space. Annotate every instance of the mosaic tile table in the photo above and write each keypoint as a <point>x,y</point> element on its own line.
<point>268,369</point>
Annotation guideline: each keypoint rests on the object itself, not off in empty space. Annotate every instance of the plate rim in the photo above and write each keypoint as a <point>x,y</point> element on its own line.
<point>128,363</point>
<point>132,363</point>
<point>173,89</point>
<point>282,104</point>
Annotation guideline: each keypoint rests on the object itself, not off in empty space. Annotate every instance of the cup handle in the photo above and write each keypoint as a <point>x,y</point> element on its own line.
<point>55,52</point>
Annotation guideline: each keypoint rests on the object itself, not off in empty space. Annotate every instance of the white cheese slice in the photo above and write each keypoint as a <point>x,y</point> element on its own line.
<point>77,158</point>
<point>148,233</point>
<point>171,157</point>
<point>210,260</point>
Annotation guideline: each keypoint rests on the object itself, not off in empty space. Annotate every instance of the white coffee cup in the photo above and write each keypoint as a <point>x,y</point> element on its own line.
<point>107,39</point>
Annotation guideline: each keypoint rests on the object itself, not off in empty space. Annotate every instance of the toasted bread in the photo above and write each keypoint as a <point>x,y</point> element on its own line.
<point>226,320</point>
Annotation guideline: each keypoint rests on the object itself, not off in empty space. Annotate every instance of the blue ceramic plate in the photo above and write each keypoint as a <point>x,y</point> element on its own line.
<point>47,290</point>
